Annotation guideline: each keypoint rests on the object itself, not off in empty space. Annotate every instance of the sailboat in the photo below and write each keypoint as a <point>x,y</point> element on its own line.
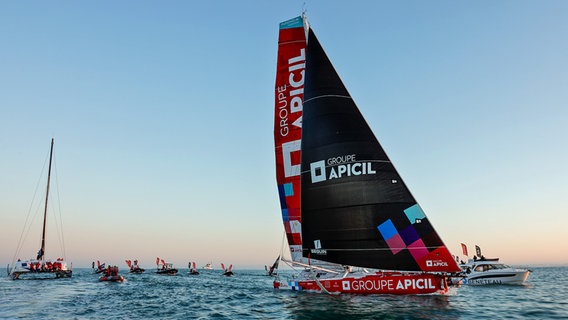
<point>351,223</point>
<point>40,267</point>
<point>273,269</point>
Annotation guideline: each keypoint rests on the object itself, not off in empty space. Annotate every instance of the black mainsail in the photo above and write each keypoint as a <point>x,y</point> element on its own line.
<point>356,209</point>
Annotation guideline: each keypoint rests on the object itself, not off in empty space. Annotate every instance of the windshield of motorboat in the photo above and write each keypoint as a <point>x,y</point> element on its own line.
<point>487,267</point>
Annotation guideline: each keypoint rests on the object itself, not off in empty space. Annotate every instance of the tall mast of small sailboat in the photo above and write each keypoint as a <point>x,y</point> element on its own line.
<point>42,250</point>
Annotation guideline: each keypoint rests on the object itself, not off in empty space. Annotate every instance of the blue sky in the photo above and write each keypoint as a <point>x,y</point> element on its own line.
<point>162,114</point>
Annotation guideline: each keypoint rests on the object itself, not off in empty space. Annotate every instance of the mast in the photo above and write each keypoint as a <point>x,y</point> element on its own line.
<point>42,250</point>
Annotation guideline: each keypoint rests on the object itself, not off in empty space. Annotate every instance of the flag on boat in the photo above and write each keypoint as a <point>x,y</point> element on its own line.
<point>464,250</point>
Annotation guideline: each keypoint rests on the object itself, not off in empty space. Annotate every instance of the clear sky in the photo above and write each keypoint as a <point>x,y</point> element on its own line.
<point>162,114</point>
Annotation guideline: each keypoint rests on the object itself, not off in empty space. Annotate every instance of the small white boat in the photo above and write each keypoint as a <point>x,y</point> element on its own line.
<point>482,271</point>
<point>491,271</point>
<point>208,266</point>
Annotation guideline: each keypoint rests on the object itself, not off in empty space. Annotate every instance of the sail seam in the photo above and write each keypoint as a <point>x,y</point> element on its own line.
<point>327,96</point>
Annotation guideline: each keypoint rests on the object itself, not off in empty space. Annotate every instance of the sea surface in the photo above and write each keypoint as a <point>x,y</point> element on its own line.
<point>249,295</point>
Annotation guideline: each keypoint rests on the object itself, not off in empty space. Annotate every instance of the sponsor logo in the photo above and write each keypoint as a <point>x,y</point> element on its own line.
<point>484,281</point>
<point>388,284</point>
<point>317,248</point>
<point>339,167</point>
<point>290,96</point>
<point>436,263</point>
<point>290,169</point>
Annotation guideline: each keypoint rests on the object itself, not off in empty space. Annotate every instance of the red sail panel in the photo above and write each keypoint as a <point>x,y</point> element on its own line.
<point>289,96</point>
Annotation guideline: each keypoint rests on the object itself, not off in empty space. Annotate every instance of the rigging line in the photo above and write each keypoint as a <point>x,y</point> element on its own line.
<point>282,244</point>
<point>22,236</point>
<point>328,96</point>
<point>61,234</point>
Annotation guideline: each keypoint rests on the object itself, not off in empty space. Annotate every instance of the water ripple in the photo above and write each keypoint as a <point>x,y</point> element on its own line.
<point>249,295</point>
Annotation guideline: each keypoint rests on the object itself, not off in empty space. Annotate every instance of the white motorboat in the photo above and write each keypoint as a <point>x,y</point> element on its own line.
<point>491,271</point>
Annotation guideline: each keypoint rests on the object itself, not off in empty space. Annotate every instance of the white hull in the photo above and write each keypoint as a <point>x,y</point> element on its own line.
<point>34,269</point>
<point>513,276</point>
<point>488,272</point>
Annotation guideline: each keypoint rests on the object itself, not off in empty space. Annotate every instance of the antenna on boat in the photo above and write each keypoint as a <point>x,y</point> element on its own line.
<point>305,20</point>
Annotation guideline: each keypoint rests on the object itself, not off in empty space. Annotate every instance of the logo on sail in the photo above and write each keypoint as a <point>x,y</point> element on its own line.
<point>436,263</point>
<point>317,248</point>
<point>339,167</point>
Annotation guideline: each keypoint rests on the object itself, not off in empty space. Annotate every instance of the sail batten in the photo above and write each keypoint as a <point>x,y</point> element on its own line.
<point>327,96</point>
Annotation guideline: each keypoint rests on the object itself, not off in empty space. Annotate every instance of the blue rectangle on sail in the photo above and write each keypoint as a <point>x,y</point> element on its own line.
<point>387,229</point>
<point>289,189</point>
<point>409,235</point>
<point>285,217</point>
<point>292,23</point>
<point>414,213</point>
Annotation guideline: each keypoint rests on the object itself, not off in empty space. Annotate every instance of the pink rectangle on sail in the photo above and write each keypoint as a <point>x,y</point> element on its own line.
<point>396,244</point>
<point>417,249</point>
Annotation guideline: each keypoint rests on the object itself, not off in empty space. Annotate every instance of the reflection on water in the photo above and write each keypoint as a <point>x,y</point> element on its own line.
<point>317,306</point>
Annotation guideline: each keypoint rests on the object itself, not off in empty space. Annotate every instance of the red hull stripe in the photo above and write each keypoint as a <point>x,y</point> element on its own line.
<point>374,284</point>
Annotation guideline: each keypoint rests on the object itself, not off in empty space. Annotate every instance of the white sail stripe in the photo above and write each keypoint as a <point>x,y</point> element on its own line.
<point>328,96</point>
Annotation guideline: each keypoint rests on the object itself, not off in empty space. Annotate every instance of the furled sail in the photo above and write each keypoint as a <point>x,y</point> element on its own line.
<point>289,92</point>
<point>355,208</point>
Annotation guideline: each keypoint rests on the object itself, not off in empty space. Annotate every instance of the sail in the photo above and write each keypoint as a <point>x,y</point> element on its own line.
<point>356,209</point>
<point>288,127</point>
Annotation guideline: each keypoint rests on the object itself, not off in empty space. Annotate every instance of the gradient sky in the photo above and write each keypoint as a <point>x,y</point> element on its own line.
<point>162,114</point>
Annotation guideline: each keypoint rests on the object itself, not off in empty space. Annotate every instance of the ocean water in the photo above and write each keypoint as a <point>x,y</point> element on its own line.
<point>249,295</point>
